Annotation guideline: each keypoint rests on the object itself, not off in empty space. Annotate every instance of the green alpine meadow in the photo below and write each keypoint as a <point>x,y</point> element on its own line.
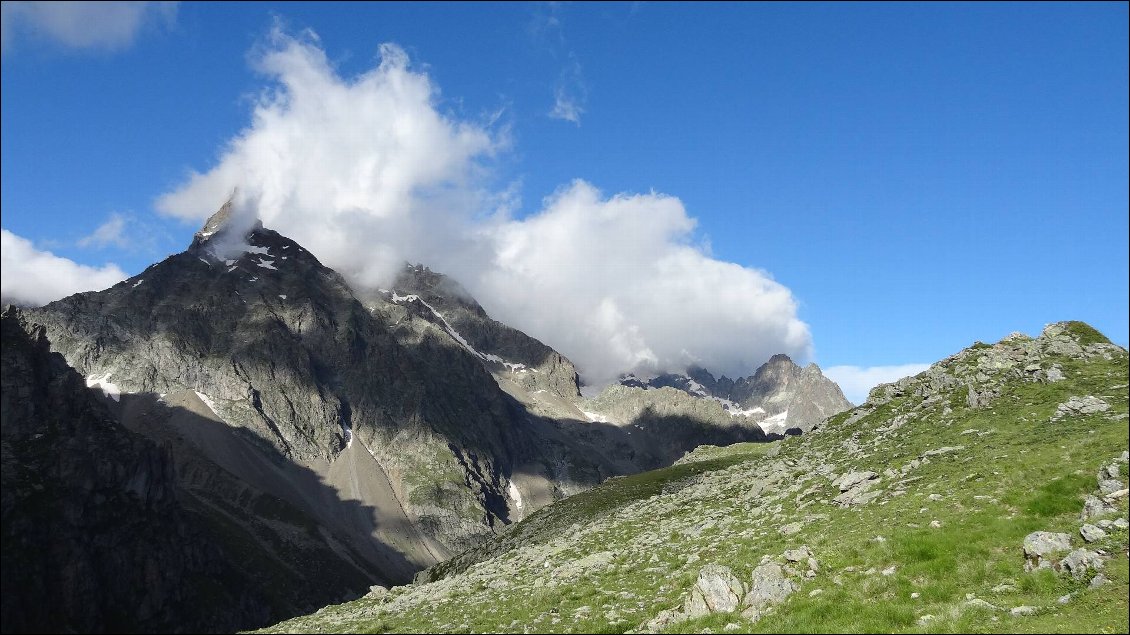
<point>986,494</point>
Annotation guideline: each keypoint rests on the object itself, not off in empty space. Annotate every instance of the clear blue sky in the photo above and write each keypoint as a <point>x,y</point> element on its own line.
<point>919,176</point>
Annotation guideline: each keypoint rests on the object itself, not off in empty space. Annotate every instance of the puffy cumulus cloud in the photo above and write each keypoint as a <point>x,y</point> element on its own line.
<point>33,277</point>
<point>616,285</point>
<point>362,171</point>
<point>857,381</point>
<point>83,25</point>
<point>367,174</point>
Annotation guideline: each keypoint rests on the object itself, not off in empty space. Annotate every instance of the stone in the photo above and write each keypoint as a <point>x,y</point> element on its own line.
<point>1039,545</point>
<point>798,554</point>
<point>1111,471</point>
<point>1080,561</point>
<point>935,524</point>
<point>1098,581</point>
<point>790,529</point>
<point>769,587</point>
<point>717,590</point>
<point>1091,533</point>
<point>1079,406</point>
<point>1021,611</point>
<point>1064,599</point>
<point>1120,523</point>
<point>890,570</point>
<point>1094,506</point>
<point>915,595</point>
<point>376,591</point>
<point>1109,486</point>
<point>935,497</point>
<point>850,480</point>
<point>979,603</point>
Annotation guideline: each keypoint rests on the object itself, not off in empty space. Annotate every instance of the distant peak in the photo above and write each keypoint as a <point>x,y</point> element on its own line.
<point>780,358</point>
<point>226,217</point>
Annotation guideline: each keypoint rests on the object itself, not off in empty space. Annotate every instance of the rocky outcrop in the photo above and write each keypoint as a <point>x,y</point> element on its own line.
<point>95,538</point>
<point>781,396</point>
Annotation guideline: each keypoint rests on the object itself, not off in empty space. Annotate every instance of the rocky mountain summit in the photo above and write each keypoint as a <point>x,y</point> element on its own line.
<point>781,397</point>
<point>373,433</point>
<point>988,493</point>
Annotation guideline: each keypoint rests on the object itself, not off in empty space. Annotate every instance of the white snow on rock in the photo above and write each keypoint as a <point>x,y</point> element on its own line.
<point>595,417</point>
<point>515,495</point>
<point>489,357</point>
<point>138,282</point>
<point>282,295</point>
<point>257,250</point>
<point>103,383</point>
<point>266,264</point>
<point>775,424</point>
<point>207,402</point>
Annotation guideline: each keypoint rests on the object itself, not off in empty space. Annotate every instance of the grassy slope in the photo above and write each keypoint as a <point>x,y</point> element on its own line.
<point>610,559</point>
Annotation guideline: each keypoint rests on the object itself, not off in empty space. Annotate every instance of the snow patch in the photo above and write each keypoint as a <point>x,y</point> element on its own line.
<point>207,402</point>
<point>103,383</point>
<point>595,417</point>
<point>515,495</point>
<point>697,388</point>
<point>514,367</point>
<point>282,295</point>
<point>204,261</point>
<point>138,282</point>
<point>267,264</point>
<point>775,424</point>
<point>252,249</point>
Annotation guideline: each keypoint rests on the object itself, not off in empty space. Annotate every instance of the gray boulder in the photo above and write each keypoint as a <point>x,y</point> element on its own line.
<point>1039,546</point>
<point>718,590</point>
<point>769,587</point>
<point>1091,533</point>
<point>1080,561</point>
<point>1079,406</point>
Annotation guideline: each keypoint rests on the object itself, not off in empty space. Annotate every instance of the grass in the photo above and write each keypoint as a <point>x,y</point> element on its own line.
<point>954,530</point>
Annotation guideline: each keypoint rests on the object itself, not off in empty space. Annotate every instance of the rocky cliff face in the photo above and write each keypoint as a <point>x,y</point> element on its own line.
<point>330,440</point>
<point>94,536</point>
<point>781,397</point>
<point>380,433</point>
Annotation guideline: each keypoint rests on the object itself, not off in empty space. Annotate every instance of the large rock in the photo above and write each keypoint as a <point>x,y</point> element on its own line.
<point>1079,406</point>
<point>717,590</point>
<point>851,479</point>
<point>1080,561</point>
<point>1041,546</point>
<point>768,587</point>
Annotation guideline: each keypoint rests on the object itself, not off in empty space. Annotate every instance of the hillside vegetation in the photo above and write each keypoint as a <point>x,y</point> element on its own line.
<point>915,512</point>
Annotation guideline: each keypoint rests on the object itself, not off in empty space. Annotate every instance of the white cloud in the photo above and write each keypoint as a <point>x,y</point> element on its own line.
<point>857,381</point>
<point>33,277</point>
<point>83,25</point>
<point>570,94</point>
<point>367,174</point>
<point>112,232</point>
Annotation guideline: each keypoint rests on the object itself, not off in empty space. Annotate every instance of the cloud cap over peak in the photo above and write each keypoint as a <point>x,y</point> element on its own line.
<point>367,173</point>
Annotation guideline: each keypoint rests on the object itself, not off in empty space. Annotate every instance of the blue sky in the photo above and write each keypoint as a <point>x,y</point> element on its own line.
<point>914,177</point>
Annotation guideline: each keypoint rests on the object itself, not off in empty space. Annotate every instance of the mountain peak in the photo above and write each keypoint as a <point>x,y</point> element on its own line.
<point>229,218</point>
